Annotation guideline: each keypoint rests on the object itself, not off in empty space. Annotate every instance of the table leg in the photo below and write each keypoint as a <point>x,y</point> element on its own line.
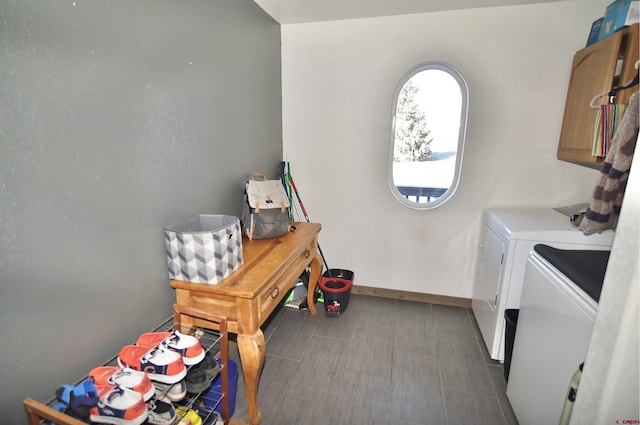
<point>252,352</point>
<point>314,275</point>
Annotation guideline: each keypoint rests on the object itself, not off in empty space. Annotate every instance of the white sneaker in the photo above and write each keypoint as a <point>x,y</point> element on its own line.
<point>160,364</point>
<point>170,392</point>
<point>119,406</point>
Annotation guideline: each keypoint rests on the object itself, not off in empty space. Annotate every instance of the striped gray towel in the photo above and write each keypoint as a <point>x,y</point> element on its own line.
<point>604,208</point>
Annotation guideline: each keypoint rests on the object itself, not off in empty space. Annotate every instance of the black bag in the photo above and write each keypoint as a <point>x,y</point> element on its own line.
<point>265,210</point>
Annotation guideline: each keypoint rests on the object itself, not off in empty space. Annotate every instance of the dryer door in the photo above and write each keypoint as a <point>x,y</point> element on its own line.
<point>487,285</point>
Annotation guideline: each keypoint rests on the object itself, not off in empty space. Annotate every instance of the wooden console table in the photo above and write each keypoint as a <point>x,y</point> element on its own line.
<point>250,294</point>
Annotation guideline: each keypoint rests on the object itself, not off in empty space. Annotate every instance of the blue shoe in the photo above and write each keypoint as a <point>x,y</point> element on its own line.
<point>79,398</point>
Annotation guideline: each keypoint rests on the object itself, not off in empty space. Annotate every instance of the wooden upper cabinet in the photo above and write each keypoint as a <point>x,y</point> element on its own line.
<point>593,73</point>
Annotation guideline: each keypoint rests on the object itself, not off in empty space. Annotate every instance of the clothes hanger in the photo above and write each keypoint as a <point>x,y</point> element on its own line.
<point>612,93</point>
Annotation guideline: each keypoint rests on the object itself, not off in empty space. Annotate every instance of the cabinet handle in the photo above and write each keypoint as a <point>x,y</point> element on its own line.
<point>275,292</point>
<point>307,253</point>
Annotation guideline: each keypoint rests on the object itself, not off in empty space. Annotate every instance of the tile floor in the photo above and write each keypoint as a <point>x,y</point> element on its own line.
<point>381,362</point>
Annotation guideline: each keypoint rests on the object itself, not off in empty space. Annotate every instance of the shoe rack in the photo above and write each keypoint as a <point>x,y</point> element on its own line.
<point>210,329</point>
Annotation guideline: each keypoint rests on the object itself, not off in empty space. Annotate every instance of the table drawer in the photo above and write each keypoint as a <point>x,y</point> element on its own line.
<point>276,290</point>
<point>218,304</point>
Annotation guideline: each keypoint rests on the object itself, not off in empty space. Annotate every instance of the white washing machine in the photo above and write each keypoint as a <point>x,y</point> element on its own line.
<point>557,311</point>
<point>508,235</point>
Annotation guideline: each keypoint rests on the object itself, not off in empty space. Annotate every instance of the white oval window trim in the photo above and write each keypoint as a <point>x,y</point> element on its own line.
<point>464,107</point>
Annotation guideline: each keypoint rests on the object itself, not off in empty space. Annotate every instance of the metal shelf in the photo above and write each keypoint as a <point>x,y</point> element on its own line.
<point>213,336</point>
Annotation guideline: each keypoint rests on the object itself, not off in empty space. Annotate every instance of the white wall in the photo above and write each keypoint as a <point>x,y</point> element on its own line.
<point>338,81</point>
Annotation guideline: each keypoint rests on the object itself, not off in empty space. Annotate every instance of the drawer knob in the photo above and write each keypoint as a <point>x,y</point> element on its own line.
<point>307,253</point>
<point>275,292</point>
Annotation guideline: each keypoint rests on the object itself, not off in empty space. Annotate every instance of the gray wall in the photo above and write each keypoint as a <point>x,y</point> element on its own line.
<point>117,118</point>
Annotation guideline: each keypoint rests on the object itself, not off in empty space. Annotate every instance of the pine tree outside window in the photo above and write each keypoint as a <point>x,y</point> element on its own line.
<point>429,119</point>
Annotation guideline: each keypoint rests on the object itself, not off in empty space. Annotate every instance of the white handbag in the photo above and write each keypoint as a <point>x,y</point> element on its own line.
<point>265,211</point>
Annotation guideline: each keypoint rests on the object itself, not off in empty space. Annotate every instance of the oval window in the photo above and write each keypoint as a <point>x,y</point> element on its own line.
<point>428,130</point>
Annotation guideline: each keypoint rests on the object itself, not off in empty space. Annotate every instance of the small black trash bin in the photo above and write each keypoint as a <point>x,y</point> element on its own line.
<point>511,319</point>
<point>336,288</point>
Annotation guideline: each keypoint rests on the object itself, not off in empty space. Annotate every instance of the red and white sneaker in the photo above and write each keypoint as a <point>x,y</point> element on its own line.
<point>188,346</point>
<point>158,363</point>
<point>119,406</point>
<point>127,378</point>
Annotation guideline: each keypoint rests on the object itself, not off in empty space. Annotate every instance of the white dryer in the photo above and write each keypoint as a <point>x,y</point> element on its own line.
<point>508,236</point>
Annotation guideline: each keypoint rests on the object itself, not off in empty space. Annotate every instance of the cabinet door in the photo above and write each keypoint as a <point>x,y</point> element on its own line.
<point>629,69</point>
<point>592,73</point>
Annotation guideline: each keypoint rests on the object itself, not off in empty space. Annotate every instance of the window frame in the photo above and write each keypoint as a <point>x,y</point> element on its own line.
<point>462,134</point>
